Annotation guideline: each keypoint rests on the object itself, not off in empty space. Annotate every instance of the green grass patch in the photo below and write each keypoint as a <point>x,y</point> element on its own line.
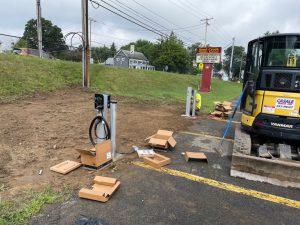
<point>22,209</point>
<point>21,75</point>
<point>158,86</point>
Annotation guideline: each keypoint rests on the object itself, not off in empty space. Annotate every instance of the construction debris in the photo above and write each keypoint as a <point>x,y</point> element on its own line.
<point>157,160</point>
<point>102,190</point>
<point>143,152</point>
<point>65,167</point>
<point>162,139</point>
<point>222,110</point>
<point>97,157</point>
<point>195,156</point>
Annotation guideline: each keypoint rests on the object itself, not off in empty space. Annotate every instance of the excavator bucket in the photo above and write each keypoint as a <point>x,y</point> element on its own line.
<point>245,164</point>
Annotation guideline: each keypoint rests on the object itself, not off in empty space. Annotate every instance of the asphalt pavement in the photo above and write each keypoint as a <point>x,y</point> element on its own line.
<point>150,197</point>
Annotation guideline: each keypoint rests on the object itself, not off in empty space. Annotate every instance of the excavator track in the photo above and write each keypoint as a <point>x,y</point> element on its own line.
<point>246,164</point>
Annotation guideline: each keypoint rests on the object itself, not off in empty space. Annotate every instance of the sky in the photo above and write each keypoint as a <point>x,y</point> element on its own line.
<point>244,20</point>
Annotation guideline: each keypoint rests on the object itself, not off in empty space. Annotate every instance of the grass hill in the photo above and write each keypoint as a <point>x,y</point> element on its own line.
<point>21,75</point>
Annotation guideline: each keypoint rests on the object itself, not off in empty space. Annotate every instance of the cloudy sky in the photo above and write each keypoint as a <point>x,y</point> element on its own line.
<point>241,19</point>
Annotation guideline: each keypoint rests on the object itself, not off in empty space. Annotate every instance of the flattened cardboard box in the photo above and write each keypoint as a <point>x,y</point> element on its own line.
<point>65,167</point>
<point>98,156</point>
<point>157,161</point>
<point>162,139</point>
<point>102,190</point>
<point>196,156</point>
<point>226,103</point>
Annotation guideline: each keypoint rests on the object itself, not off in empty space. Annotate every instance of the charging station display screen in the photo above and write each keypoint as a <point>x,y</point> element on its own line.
<point>99,101</point>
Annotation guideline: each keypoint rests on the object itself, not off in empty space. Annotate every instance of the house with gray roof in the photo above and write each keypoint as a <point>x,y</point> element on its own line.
<point>132,59</point>
<point>109,62</point>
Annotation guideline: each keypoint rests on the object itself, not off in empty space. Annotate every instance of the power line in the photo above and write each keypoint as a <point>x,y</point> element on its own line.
<point>141,24</point>
<point>218,34</point>
<point>190,5</point>
<point>165,19</point>
<point>192,27</point>
<point>147,18</point>
<point>8,35</point>
<point>137,13</point>
<point>184,5</point>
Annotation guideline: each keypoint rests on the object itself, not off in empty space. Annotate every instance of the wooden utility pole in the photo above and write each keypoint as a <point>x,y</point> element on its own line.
<point>39,27</point>
<point>91,20</point>
<point>231,59</point>
<point>206,24</point>
<point>240,73</point>
<point>85,44</point>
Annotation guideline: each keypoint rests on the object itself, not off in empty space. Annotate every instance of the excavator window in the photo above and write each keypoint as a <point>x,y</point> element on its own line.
<point>282,51</point>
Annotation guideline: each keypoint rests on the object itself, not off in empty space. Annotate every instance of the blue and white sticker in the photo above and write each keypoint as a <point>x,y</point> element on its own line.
<point>285,103</point>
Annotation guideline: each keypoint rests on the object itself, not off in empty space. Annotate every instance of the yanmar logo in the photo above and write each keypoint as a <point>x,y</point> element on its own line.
<point>281,125</point>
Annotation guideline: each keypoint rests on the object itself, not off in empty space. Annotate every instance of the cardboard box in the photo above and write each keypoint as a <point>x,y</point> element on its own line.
<point>102,190</point>
<point>195,156</point>
<point>98,156</point>
<point>222,107</point>
<point>65,167</point>
<point>162,139</point>
<point>227,103</point>
<point>213,117</point>
<point>217,113</point>
<point>157,161</point>
<point>143,152</point>
<point>105,181</point>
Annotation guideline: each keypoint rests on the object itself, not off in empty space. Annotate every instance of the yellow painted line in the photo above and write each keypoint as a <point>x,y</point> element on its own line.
<point>206,135</point>
<point>225,186</point>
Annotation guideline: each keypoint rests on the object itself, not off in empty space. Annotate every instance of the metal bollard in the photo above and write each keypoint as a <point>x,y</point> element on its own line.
<point>113,127</point>
<point>188,101</point>
<point>194,103</point>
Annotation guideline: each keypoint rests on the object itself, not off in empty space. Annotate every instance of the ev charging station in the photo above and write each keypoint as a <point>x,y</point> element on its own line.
<point>102,130</point>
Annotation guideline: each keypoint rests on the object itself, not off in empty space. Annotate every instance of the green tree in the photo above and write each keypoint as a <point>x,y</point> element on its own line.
<point>192,58</point>
<point>239,55</point>
<point>21,43</point>
<point>100,54</point>
<point>113,50</point>
<point>73,54</point>
<point>166,52</point>
<point>173,54</point>
<point>218,66</point>
<point>53,40</point>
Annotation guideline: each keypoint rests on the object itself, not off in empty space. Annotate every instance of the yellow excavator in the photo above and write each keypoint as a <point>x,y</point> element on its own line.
<point>266,144</point>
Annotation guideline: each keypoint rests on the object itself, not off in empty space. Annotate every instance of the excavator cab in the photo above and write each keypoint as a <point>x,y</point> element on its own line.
<point>271,104</point>
<point>269,135</point>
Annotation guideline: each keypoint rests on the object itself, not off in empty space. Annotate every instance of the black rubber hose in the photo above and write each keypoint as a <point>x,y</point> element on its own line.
<point>94,124</point>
